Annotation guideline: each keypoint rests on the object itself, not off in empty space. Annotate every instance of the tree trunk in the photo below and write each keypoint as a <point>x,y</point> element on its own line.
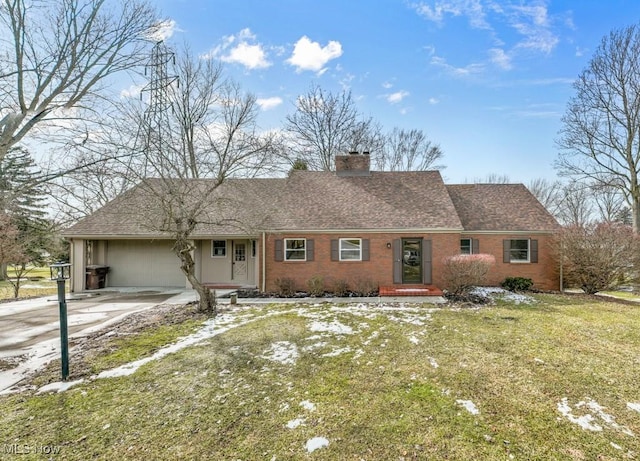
<point>207,300</point>
<point>635,212</point>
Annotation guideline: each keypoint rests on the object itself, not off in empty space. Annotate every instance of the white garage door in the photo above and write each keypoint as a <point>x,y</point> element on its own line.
<point>136,263</point>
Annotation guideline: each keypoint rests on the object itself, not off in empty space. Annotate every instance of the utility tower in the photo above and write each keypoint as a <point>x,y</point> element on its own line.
<point>156,130</point>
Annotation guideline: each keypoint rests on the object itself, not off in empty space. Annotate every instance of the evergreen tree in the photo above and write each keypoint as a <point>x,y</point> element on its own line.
<point>22,201</point>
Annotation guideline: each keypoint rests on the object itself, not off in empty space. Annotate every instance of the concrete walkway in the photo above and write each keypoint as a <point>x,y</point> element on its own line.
<point>30,329</point>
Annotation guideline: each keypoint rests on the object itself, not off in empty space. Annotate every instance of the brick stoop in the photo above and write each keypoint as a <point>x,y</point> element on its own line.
<point>410,290</point>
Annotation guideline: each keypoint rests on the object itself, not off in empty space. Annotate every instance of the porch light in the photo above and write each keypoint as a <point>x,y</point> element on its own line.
<point>389,245</point>
<point>60,272</point>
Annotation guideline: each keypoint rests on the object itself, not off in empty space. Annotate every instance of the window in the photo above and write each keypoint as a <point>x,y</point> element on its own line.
<point>519,251</point>
<point>295,250</point>
<point>466,246</point>
<point>218,248</point>
<point>254,246</point>
<point>350,250</point>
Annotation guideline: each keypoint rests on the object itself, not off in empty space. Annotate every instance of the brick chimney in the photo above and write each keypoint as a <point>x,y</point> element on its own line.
<point>353,164</point>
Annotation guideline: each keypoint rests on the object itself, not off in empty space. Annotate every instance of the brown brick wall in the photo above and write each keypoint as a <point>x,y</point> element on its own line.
<point>379,268</point>
<point>543,273</point>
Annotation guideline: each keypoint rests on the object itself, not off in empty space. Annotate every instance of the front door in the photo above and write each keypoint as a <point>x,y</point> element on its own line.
<point>239,268</point>
<point>412,260</point>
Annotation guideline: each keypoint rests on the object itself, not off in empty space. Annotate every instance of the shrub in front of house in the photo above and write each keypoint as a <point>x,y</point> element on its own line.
<point>365,287</point>
<point>517,284</point>
<point>463,272</point>
<point>285,287</point>
<point>316,285</point>
<point>340,288</point>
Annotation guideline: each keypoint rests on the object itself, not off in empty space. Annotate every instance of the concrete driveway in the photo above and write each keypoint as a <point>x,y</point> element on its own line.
<point>30,329</point>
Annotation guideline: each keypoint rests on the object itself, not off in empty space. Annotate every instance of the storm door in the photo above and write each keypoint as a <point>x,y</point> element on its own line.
<point>412,260</point>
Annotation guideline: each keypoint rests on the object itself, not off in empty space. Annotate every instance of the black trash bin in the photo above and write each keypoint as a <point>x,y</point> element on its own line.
<point>96,276</point>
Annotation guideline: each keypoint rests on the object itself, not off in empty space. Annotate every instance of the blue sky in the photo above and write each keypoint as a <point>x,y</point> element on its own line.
<point>488,80</point>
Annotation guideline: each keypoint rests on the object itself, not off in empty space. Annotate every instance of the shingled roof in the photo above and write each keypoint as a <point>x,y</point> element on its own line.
<point>324,201</point>
<point>500,207</point>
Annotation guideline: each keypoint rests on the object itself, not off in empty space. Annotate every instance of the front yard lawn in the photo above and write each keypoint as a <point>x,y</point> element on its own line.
<point>554,379</point>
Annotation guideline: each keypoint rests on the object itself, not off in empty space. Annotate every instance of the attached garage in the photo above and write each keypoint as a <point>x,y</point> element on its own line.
<point>140,263</point>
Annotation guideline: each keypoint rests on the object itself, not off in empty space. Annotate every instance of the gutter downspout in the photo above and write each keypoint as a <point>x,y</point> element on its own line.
<point>264,263</point>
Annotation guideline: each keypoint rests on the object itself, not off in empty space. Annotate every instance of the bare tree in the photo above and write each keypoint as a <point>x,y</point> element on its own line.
<point>407,150</point>
<point>597,257</point>
<point>91,180</point>
<point>56,55</point>
<point>548,193</point>
<point>325,124</point>
<point>576,205</point>
<point>491,178</point>
<point>600,137</point>
<point>204,134</point>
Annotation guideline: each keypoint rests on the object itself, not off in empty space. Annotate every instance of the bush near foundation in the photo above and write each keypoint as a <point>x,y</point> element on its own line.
<point>517,284</point>
<point>316,286</point>
<point>463,272</point>
<point>285,287</point>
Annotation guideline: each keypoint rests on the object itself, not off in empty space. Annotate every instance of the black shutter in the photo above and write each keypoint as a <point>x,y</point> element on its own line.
<point>397,261</point>
<point>365,249</point>
<point>279,250</point>
<point>426,262</point>
<point>534,251</point>
<point>506,251</point>
<point>475,245</point>
<point>335,250</point>
<point>310,250</point>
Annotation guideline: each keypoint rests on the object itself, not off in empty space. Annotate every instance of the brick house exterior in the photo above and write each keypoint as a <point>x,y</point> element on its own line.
<point>352,225</point>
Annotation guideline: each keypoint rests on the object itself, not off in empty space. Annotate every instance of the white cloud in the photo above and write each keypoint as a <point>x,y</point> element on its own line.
<point>250,56</point>
<point>472,9</point>
<point>132,92</point>
<point>397,97</point>
<point>387,85</point>
<point>163,31</point>
<point>500,58</point>
<point>433,101</point>
<point>269,103</point>
<point>240,49</point>
<point>532,21</point>
<point>470,69</point>
<point>308,55</point>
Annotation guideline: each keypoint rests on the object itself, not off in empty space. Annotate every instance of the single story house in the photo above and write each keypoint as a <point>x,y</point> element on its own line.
<point>353,225</point>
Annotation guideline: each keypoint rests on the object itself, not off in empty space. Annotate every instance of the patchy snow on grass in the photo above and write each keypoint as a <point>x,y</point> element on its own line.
<point>295,423</point>
<point>588,421</point>
<point>334,326</point>
<point>409,318</point>
<point>433,362</point>
<point>283,352</point>
<point>633,406</point>
<point>501,293</point>
<point>316,443</point>
<point>414,340</point>
<point>337,351</point>
<point>307,405</point>
<point>59,386</point>
<point>469,406</point>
